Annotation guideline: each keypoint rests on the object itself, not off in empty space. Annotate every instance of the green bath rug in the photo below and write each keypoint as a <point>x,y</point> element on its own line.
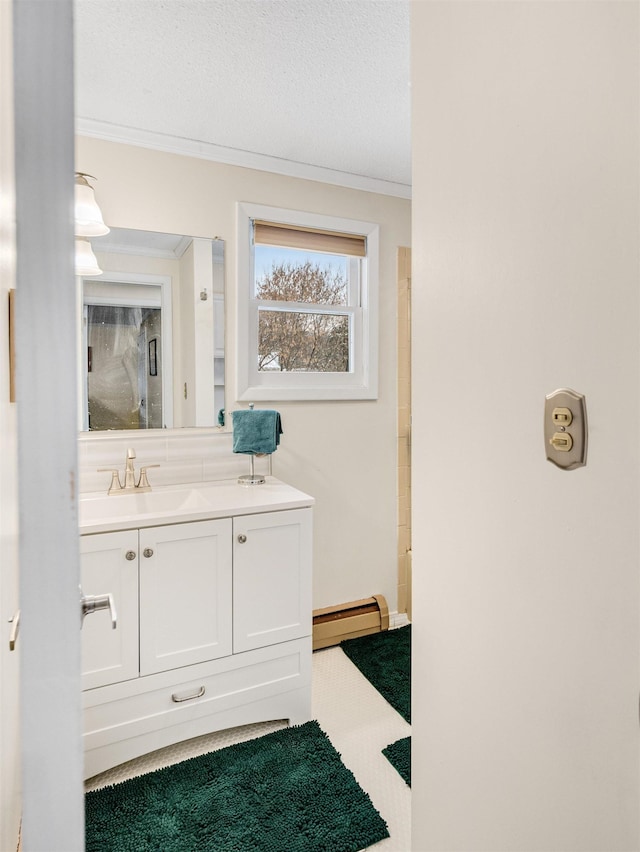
<point>287,790</point>
<point>385,660</point>
<point>399,756</point>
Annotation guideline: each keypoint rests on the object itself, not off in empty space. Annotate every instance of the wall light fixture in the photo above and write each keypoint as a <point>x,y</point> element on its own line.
<point>89,221</point>
<point>86,262</point>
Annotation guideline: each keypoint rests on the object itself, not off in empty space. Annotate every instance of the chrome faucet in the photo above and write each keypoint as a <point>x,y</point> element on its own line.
<point>130,485</point>
<point>129,470</point>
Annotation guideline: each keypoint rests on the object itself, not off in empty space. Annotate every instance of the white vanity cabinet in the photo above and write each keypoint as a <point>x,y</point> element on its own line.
<point>185,594</point>
<point>109,566</point>
<point>151,574</point>
<point>271,578</point>
<point>214,630</point>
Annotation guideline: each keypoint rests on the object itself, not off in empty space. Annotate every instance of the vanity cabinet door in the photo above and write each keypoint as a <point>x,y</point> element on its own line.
<point>271,578</point>
<point>109,565</point>
<point>185,594</point>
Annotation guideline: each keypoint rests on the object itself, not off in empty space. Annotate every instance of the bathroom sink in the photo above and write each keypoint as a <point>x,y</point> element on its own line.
<point>122,506</point>
<point>98,512</point>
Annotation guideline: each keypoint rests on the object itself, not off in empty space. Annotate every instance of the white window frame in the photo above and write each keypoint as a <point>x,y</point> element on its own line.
<point>362,381</point>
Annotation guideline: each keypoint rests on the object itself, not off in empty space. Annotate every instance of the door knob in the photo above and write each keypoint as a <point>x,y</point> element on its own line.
<point>242,538</point>
<point>15,627</point>
<point>92,603</point>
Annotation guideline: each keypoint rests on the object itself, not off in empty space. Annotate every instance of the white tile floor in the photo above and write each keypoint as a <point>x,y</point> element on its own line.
<point>359,723</point>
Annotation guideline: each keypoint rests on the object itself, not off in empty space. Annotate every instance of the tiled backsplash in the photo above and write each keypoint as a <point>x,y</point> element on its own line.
<point>184,455</point>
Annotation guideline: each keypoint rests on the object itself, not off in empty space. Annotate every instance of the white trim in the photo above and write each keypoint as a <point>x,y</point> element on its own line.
<point>262,386</point>
<point>46,332</point>
<point>204,343</point>
<point>235,157</point>
<point>398,619</point>
<point>184,244</point>
<point>124,301</point>
<point>10,757</point>
<point>112,247</point>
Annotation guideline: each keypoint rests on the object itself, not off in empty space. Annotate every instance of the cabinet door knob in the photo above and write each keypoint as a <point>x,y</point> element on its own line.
<point>147,552</point>
<point>242,538</point>
<point>130,554</point>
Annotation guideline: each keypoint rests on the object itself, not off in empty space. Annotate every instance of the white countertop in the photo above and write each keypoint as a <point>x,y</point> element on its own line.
<point>176,504</point>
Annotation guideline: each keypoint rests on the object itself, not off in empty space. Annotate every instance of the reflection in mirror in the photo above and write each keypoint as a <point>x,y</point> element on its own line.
<point>153,332</point>
<point>124,362</point>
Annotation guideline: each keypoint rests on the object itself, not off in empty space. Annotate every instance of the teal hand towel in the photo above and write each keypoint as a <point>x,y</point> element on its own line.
<point>256,431</point>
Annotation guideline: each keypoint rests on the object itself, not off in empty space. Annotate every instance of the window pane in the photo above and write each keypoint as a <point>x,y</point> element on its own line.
<point>293,275</point>
<point>293,341</point>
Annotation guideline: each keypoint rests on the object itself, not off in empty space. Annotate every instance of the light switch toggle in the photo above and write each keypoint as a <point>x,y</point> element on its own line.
<point>565,429</point>
<point>562,416</point>
<point>562,441</point>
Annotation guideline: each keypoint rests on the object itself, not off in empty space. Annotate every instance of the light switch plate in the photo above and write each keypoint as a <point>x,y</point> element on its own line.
<point>565,429</point>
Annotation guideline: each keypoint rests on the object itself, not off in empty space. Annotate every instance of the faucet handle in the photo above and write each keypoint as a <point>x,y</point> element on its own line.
<point>116,485</point>
<point>131,453</point>
<point>143,482</point>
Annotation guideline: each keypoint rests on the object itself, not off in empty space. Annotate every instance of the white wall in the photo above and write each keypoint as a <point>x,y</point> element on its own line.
<point>202,324</point>
<point>184,372</point>
<point>526,276</point>
<point>344,453</point>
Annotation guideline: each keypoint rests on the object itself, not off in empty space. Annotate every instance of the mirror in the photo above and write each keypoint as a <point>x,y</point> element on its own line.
<point>152,343</point>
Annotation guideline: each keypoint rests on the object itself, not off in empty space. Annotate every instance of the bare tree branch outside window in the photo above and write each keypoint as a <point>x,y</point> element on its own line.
<point>301,341</point>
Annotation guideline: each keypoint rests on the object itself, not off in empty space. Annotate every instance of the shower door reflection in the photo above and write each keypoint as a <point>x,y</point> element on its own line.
<point>124,375</point>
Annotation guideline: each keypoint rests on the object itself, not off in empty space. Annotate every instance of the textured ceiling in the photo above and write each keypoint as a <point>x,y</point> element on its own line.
<point>323,83</point>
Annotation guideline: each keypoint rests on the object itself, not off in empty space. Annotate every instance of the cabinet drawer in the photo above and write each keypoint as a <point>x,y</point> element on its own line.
<point>131,709</point>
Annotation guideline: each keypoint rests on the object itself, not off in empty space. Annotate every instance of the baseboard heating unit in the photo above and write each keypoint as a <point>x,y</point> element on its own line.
<point>346,621</point>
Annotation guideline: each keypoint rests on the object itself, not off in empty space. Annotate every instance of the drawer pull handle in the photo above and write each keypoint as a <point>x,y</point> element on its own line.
<point>193,695</point>
<point>147,552</point>
<point>130,555</point>
<point>14,621</point>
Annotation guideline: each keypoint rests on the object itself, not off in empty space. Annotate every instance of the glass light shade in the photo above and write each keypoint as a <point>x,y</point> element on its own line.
<point>89,222</point>
<point>86,263</point>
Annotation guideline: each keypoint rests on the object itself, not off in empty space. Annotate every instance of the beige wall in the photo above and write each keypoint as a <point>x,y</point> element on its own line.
<point>525,279</point>
<point>342,453</point>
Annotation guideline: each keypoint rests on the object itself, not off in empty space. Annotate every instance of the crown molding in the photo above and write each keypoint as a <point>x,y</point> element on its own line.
<point>235,157</point>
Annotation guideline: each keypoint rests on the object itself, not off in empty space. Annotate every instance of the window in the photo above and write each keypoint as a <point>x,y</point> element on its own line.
<point>307,306</point>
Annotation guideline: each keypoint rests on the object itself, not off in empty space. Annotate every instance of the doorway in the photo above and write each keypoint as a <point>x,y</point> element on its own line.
<point>126,380</point>
<point>124,367</point>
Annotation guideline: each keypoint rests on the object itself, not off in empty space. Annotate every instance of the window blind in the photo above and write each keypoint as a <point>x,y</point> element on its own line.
<point>293,236</point>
